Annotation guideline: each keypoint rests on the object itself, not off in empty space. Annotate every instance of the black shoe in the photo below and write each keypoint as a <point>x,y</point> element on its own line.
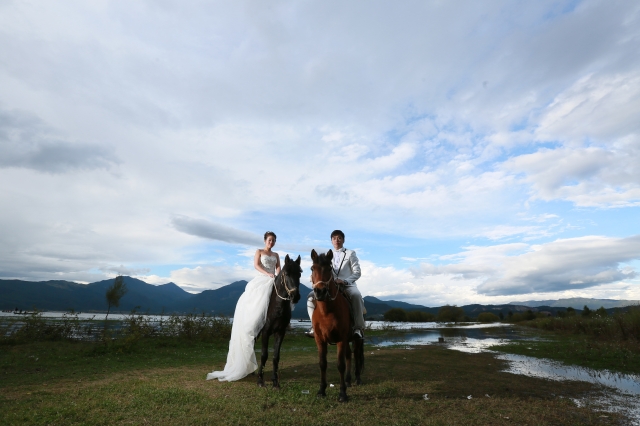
<point>358,334</point>
<point>310,333</point>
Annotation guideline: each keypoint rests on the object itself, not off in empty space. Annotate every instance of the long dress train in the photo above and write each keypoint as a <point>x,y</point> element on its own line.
<point>249,318</point>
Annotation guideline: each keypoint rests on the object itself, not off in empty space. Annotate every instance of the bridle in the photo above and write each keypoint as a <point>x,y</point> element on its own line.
<point>283,278</point>
<point>327,282</point>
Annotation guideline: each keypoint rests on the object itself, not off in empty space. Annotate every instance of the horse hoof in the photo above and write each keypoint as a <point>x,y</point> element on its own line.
<point>343,398</point>
<point>358,382</point>
<point>261,385</point>
<point>321,395</point>
<point>348,384</point>
<point>276,387</point>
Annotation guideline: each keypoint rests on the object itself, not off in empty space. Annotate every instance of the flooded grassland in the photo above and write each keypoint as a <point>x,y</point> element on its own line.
<point>410,377</point>
<point>527,352</point>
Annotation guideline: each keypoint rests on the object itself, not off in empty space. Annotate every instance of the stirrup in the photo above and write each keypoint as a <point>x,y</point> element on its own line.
<point>310,333</point>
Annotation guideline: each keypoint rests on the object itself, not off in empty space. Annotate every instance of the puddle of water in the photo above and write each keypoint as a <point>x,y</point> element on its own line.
<point>553,370</point>
<point>614,403</point>
<point>625,399</point>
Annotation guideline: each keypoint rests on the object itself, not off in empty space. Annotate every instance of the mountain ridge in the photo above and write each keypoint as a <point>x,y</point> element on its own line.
<point>60,295</point>
<point>579,303</point>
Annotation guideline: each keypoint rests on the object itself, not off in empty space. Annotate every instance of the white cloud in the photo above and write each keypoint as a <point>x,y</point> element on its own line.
<point>561,265</point>
<point>596,267</point>
<point>27,142</point>
<point>590,176</point>
<point>565,264</point>
<point>201,278</point>
<point>600,107</point>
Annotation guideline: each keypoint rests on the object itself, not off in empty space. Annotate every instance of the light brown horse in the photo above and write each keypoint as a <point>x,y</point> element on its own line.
<point>332,324</point>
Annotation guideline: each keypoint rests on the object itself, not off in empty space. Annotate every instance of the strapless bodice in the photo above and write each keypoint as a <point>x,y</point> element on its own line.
<point>269,262</point>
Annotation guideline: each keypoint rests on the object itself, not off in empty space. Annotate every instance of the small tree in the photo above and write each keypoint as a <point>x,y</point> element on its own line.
<point>395,315</point>
<point>114,293</point>
<point>419,316</point>
<point>449,313</point>
<point>602,312</point>
<point>586,311</point>
<point>488,317</point>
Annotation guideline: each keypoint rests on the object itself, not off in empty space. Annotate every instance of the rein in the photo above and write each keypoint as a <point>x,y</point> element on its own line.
<point>284,283</point>
<point>327,283</point>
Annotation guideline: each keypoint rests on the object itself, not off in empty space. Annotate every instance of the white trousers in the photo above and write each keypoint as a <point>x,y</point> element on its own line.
<point>357,304</point>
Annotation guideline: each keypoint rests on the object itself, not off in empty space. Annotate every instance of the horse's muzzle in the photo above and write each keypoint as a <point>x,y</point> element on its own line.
<point>320,293</point>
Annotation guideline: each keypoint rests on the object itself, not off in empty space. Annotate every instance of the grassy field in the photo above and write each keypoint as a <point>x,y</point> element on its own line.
<point>161,381</point>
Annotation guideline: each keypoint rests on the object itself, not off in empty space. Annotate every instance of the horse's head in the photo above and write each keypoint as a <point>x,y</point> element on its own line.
<point>321,274</point>
<point>291,272</point>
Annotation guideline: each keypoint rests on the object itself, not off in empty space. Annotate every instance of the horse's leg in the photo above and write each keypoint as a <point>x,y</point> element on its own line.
<point>358,353</point>
<point>263,358</point>
<point>322,358</point>
<point>348,359</point>
<point>341,367</point>
<point>275,377</point>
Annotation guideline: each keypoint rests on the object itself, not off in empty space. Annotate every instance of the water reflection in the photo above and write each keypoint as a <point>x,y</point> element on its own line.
<point>471,339</point>
<point>553,370</point>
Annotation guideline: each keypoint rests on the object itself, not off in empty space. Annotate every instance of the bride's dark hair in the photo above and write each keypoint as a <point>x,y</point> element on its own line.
<point>266,234</point>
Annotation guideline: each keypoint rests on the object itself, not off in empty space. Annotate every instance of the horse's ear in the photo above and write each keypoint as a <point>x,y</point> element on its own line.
<point>330,254</point>
<point>314,255</point>
<point>287,259</point>
<point>298,261</point>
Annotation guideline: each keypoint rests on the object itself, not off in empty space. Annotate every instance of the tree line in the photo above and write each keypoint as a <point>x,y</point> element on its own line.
<point>446,313</point>
<point>625,321</point>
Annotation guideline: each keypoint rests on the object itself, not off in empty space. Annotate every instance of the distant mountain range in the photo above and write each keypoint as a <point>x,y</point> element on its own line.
<point>170,298</point>
<point>376,308</point>
<point>66,295</point>
<point>579,303</point>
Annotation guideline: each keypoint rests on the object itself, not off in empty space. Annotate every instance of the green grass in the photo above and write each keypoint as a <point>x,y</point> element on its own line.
<point>161,381</point>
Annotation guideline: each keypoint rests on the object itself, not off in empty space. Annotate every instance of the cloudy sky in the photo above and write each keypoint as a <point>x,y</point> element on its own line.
<point>472,152</point>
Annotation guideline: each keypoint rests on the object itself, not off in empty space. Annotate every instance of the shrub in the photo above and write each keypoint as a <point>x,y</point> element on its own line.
<point>488,317</point>
<point>622,326</point>
<point>34,327</point>
<point>125,333</point>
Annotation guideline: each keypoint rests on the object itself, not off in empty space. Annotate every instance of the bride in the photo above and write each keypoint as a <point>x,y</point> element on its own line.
<point>250,315</point>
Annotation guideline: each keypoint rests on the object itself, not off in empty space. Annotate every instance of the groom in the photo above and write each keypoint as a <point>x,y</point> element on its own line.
<point>346,271</point>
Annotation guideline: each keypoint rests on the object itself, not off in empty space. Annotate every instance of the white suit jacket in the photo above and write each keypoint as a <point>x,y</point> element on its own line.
<point>349,271</point>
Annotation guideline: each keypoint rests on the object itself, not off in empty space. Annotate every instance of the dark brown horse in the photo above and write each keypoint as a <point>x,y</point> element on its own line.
<point>332,324</point>
<point>286,290</point>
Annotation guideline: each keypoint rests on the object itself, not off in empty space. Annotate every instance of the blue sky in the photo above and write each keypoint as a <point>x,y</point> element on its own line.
<point>472,152</point>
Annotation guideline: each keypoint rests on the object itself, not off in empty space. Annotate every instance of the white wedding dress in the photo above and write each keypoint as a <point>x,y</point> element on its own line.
<point>248,319</point>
